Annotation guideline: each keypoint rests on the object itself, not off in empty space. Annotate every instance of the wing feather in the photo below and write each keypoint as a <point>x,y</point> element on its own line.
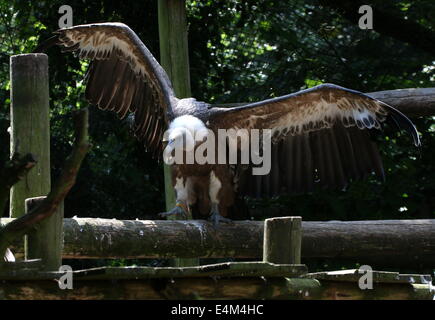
<point>307,161</point>
<point>123,76</point>
<point>344,144</point>
<point>289,164</point>
<point>297,169</point>
<point>323,133</point>
<point>336,159</point>
<point>275,172</point>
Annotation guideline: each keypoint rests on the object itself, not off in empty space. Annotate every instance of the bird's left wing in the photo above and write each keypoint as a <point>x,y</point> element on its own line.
<point>320,136</point>
<point>123,76</point>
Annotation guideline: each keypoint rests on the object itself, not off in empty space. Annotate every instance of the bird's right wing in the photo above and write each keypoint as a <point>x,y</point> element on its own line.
<point>123,77</point>
<point>320,137</point>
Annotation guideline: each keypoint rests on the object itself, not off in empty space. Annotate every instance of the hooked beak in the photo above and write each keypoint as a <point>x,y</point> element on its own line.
<point>168,157</point>
<point>166,141</point>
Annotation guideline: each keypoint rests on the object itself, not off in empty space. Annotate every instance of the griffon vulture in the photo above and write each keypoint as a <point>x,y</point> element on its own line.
<point>320,136</point>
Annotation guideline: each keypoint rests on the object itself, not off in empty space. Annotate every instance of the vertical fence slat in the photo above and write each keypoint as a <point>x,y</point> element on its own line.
<point>282,240</point>
<point>30,125</point>
<point>46,241</point>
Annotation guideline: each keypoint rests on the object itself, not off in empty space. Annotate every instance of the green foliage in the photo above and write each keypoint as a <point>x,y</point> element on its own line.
<point>240,51</point>
<point>260,49</point>
<point>118,179</point>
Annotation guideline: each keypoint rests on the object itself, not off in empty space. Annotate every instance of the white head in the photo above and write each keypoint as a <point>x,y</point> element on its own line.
<point>182,133</point>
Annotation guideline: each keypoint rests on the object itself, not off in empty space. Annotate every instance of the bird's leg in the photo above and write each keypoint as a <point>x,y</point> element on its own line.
<point>181,210</point>
<point>216,217</point>
<point>214,189</point>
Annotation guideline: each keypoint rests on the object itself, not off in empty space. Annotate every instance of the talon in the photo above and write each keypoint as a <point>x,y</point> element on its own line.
<point>178,212</point>
<point>216,218</point>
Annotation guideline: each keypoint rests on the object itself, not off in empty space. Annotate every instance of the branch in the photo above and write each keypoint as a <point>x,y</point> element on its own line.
<point>388,24</point>
<point>13,171</point>
<point>412,102</point>
<point>63,185</point>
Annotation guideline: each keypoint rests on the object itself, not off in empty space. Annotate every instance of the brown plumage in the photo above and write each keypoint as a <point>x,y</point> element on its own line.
<point>320,135</point>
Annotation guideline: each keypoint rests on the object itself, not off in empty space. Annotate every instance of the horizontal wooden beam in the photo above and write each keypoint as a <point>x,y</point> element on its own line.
<point>114,288</point>
<point>33,270</point>
<point>234,280</point>
<point>174,289</point>
<point>383,243</point>
<point>413,102</point>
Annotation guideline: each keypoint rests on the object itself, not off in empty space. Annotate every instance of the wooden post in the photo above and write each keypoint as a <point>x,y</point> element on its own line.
<point>174,58</point>
<point>30,125</point>
<point>174,52</point>
<point>47,240</point>
<point>282,240</point>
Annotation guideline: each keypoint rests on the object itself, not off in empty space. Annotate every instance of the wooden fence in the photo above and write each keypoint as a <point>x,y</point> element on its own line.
<point>385,243</point>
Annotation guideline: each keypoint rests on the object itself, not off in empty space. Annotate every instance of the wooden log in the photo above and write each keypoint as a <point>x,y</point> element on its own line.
<point>19,266</point>
<point>231,280</point>
<point>174,58</point>
<point>383,243</point>
<point>335,290</point>
<point>173,289</point>
<point>227,269</point>
<point>46,241</point>
<point>43,286</point>
<point>30,125</point>
<point>90,238</point>
<point>412,102</point>
<point>353,275</point>
<point>282,240</point>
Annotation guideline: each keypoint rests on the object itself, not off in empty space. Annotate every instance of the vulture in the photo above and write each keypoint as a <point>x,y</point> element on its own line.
<point>320,137</point>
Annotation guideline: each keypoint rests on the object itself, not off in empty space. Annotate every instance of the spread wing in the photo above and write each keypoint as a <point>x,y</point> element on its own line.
<point>321,136</point>
<point>123,77</point>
